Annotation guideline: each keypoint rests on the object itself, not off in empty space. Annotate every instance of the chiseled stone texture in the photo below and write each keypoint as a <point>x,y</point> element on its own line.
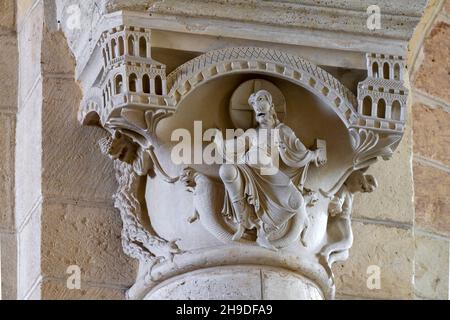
<point>7,14</point>
<point>74,171</point>
<point>434,74</point>
<point>56,55</point>
<point>9,263</point>
<point>279,285</point>
<point>237,283</point>
<point>389,248</point>
<point>300,15</point>
<point>57,290</point>
<point>23,9</point>
<point>8,74</point>
<point>89,238</point>
<point>431,268</point>
<point>213,284</point>
<point>29,254</point>
<point>29,40</point>
<point>28,155</point>
<point>432,199</point>
<point>392,200</point>
<point>7,142</point>
<point>74,167</point>
<point>431,133</point>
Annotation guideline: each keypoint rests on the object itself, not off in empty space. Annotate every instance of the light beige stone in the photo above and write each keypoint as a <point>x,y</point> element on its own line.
<point>389,248</point>
<point>7,14</point>
<point>28,156</point>
<point>8,74</point>
<point>29,254</point>
<point>74,167</point>
<point>8,265</point>
<point>326,113</point>
<point>56,56</point>
<point>228,283</point>
<point>279,285</point>
<point>392,201</point>
<point>23,9</point>
<point>431,268</point>
<point>36,293</point>
<point>431,133</point>
<point>86,237</point>
<point>80,227</point>
<point>7,142</point>
<point>57,290</point>
<point>432,198</point>
<point>296,15</point>
<point>434,74</point>
<point>30,43</point>
<point>415,43</point>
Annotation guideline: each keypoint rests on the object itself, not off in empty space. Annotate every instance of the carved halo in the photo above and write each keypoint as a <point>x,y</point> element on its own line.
<point>139,119</point>
<point>218,63</point>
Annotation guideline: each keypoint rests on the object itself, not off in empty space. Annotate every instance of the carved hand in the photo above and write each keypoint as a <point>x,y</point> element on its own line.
<point>335,206</point>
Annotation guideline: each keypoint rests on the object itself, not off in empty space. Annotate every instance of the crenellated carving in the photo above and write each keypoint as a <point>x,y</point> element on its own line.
<point>138,241</point>
<point>382,96</point>
<point>298,218</point>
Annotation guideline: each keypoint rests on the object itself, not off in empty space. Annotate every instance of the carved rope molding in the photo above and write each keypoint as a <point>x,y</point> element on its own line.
<point>124,100</point>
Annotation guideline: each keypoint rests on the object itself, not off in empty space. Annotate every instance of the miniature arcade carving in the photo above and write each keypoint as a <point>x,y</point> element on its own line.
<point>310,134</point>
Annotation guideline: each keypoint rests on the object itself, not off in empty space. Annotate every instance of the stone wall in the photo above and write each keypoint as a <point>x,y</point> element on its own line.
<point>55,186</point>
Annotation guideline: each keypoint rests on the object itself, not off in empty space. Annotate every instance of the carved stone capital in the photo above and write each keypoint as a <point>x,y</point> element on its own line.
<point>174,219</point>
